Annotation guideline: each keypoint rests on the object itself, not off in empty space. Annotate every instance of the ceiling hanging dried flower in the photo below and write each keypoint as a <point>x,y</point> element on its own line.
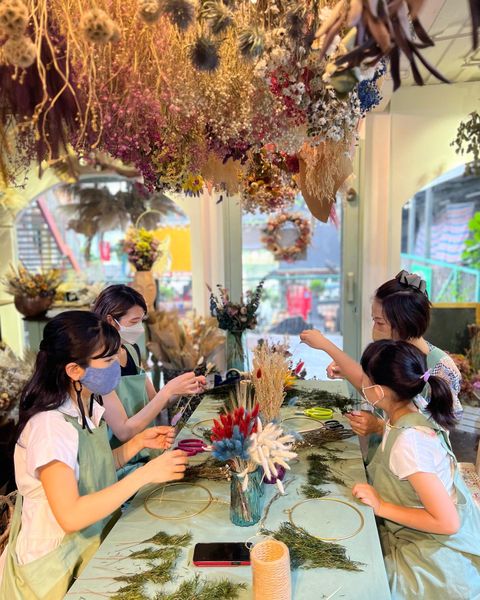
<point>20,52</point>
<point>13,17</point>
<point>149,10</point>
<point>180,12</point>
<point>251,42</point>
<point>97,26</point>
<point>218,15</point>
<point>204,54</point>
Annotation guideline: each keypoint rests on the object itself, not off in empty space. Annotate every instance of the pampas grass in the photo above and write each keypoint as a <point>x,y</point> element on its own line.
<point>270,371</point>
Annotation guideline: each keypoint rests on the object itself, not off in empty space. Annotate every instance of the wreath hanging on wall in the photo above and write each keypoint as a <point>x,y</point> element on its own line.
<point>279,231</point>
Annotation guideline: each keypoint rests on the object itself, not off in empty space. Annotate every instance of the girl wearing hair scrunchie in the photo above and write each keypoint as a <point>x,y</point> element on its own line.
<point>400,311</point>
<point>431,527</point>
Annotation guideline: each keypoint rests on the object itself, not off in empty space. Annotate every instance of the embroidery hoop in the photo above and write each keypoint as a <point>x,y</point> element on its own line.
<point>315,423</point>
<point>290,512</point>
<point>209,500</point>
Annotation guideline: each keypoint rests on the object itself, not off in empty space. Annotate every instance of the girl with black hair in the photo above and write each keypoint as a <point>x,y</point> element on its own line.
<point>400,311</point>
<point>431,527</point>
<point>68,494</point>
<point>135,403</point>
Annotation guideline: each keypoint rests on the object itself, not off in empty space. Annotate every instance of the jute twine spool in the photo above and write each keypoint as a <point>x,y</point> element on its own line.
<point>270,561</point>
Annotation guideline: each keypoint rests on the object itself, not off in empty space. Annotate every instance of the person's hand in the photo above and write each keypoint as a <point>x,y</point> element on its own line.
<point>364,422</point>
<point>368,495</point>
<point>313,338</point>
<point>334,371</point>
<point>170,466</point>
<point>187,384</point>
<point>157,437</point>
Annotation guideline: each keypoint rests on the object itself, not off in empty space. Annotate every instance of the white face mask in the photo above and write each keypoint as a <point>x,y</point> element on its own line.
<point>369,387</point>
<point>132,333</point>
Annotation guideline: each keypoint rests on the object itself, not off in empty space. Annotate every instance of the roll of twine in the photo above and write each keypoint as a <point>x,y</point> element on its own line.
<point>270,562</point>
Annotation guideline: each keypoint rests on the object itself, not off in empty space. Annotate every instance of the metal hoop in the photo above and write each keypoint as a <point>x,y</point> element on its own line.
<point>147,212</point>
<point>209,501</point>
<point>328,539</point>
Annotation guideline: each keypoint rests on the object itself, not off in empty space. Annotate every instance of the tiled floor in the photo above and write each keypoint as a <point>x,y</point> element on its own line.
<point>464,445</point>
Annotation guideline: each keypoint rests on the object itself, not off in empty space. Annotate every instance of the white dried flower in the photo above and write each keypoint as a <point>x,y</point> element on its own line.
<point>149,10</point>
<point>13,18</point>
<point>20,52</point>
<point>97,26</point>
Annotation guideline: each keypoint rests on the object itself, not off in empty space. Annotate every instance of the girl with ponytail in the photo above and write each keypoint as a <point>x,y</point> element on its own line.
<point>68,494</point>
<point>431,527</point>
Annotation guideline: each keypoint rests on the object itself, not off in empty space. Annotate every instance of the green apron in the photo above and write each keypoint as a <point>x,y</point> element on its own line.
<point>424,565</point>
<point>132,392</point>
<point>50,576</point>
<point>374,440</point>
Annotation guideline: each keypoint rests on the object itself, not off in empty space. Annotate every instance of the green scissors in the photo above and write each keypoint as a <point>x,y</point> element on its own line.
<point>319,413</point>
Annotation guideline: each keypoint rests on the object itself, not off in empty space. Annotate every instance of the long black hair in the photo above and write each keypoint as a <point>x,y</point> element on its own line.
<point>117,300</point>
<point>405,307</point>
<point>401,366</point>
<point>71,337</point>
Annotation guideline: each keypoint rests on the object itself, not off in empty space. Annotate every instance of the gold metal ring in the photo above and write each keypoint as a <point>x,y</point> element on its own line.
<point>208,500</point>
<point>194,427</point>
<point>328,539</point>
<point>318,424</point>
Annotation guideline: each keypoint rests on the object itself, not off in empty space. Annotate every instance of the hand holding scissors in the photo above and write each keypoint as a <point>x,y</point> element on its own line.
<point>193,446</point>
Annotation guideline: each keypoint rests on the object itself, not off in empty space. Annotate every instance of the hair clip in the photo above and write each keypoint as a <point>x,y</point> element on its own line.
<point>412,280</point>
<point>426,375</point>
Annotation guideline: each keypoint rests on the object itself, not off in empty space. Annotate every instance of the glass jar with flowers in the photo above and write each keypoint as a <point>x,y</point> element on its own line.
<point>33,293</point>
<point>235,318</point>
<point>143,250</point>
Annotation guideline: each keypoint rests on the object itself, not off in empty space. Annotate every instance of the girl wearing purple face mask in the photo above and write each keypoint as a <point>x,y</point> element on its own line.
<point>400,311</point>
<point>68,494</point>
<point>134,404</point>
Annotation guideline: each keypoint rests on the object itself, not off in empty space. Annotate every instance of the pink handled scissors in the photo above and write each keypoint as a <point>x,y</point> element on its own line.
<point>193,446</point>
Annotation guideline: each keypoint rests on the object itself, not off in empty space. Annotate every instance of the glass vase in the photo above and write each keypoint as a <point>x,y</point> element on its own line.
<point>246,505</point>
<point>235,350</point>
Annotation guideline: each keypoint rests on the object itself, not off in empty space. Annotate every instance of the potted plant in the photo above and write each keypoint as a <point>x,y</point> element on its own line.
<point>33,293</point>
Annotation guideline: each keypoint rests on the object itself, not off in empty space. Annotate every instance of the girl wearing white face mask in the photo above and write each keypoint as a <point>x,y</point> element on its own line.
<point>431,527</point>
<point>400,311</point>
<point>135,403</point>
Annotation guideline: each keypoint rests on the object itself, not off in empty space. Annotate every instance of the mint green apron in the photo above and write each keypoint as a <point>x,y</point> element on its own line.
<point>50,576</point>
<point>424,565</point>
<point>433,357</point>
<point>132,392</point>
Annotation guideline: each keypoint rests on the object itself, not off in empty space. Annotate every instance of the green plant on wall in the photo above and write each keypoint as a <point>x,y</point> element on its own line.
<point>471,255</point>
<point>468,142</point>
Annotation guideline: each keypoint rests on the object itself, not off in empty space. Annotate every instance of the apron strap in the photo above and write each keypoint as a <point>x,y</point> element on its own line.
<point>134,352</point>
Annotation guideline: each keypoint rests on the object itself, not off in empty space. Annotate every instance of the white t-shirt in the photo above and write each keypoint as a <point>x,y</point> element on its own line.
<point>419,450</point>
<point>47,436</point>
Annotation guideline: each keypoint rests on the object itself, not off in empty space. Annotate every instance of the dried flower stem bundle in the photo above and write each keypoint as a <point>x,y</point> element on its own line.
<point>183,344</point>
<point>271,369</point>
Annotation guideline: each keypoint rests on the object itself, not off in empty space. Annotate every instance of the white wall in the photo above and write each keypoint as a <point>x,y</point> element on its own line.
<point>402,151</point>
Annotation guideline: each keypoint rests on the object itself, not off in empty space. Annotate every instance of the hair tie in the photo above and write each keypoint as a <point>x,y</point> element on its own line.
<point>426,375</point>
<point>413,281</point>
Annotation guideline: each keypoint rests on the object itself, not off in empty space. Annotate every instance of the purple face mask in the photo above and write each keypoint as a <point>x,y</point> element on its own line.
<point>102,381</point>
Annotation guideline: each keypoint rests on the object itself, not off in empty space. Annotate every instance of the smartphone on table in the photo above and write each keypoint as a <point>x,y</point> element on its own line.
<point>221,554</point>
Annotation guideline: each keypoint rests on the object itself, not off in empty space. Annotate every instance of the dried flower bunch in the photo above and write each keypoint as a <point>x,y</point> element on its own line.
<point>14,374</point>
<point>235,316</point>
<point>272,234</point>
<point>183,344</point>
<point>21,282</point>
<point>141,248</point>
<point>468,141</point>
<point>271,370</point>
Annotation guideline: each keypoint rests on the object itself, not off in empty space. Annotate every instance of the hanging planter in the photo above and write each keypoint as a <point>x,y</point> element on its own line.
<point>468,141</point>
<point>287,236</point>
